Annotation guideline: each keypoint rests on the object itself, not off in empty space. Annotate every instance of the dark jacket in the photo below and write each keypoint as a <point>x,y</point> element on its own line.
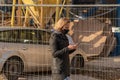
<point>60,53</point>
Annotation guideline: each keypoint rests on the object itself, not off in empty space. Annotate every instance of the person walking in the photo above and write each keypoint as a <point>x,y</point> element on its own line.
<point>60,49</point>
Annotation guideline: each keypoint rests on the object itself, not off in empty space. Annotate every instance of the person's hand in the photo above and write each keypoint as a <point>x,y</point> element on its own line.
<point>71,47</point>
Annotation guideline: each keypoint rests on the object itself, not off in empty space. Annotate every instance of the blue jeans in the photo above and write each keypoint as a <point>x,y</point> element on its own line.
<point>67,78</point>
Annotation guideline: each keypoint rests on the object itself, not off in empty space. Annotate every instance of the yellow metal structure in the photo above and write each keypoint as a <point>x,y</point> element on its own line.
<point>41,15</point>
<point>19,14</point>
<point>13,13</point>
<point>26,20</point>
<point>57,10</point>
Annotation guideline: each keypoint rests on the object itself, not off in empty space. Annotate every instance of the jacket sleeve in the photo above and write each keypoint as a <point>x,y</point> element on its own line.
<point>55,47</point>
<point>71,51</point>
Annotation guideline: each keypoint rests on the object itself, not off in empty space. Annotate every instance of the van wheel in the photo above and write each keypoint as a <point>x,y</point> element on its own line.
<point>77,62</point>
<point>13,69</point>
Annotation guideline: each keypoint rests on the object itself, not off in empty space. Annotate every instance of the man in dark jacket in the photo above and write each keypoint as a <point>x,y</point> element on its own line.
<point>60,50</point>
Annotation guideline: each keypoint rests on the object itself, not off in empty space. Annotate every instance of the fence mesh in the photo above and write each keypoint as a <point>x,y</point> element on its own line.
<point>24,46</point>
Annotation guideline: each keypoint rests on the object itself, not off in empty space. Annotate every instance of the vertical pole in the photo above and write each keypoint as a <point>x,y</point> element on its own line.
<point>13,13</point>
<point>2,18</point>
<point>61,9</point>
<point>19,13</point>
<point>67,11</point>
<point>57,11</point>
<point>41,16</point>
<point>118,14</point>
<point>26,18</point>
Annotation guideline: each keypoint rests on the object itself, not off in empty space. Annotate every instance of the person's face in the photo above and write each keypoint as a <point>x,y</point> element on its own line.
<point>65,28</point>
